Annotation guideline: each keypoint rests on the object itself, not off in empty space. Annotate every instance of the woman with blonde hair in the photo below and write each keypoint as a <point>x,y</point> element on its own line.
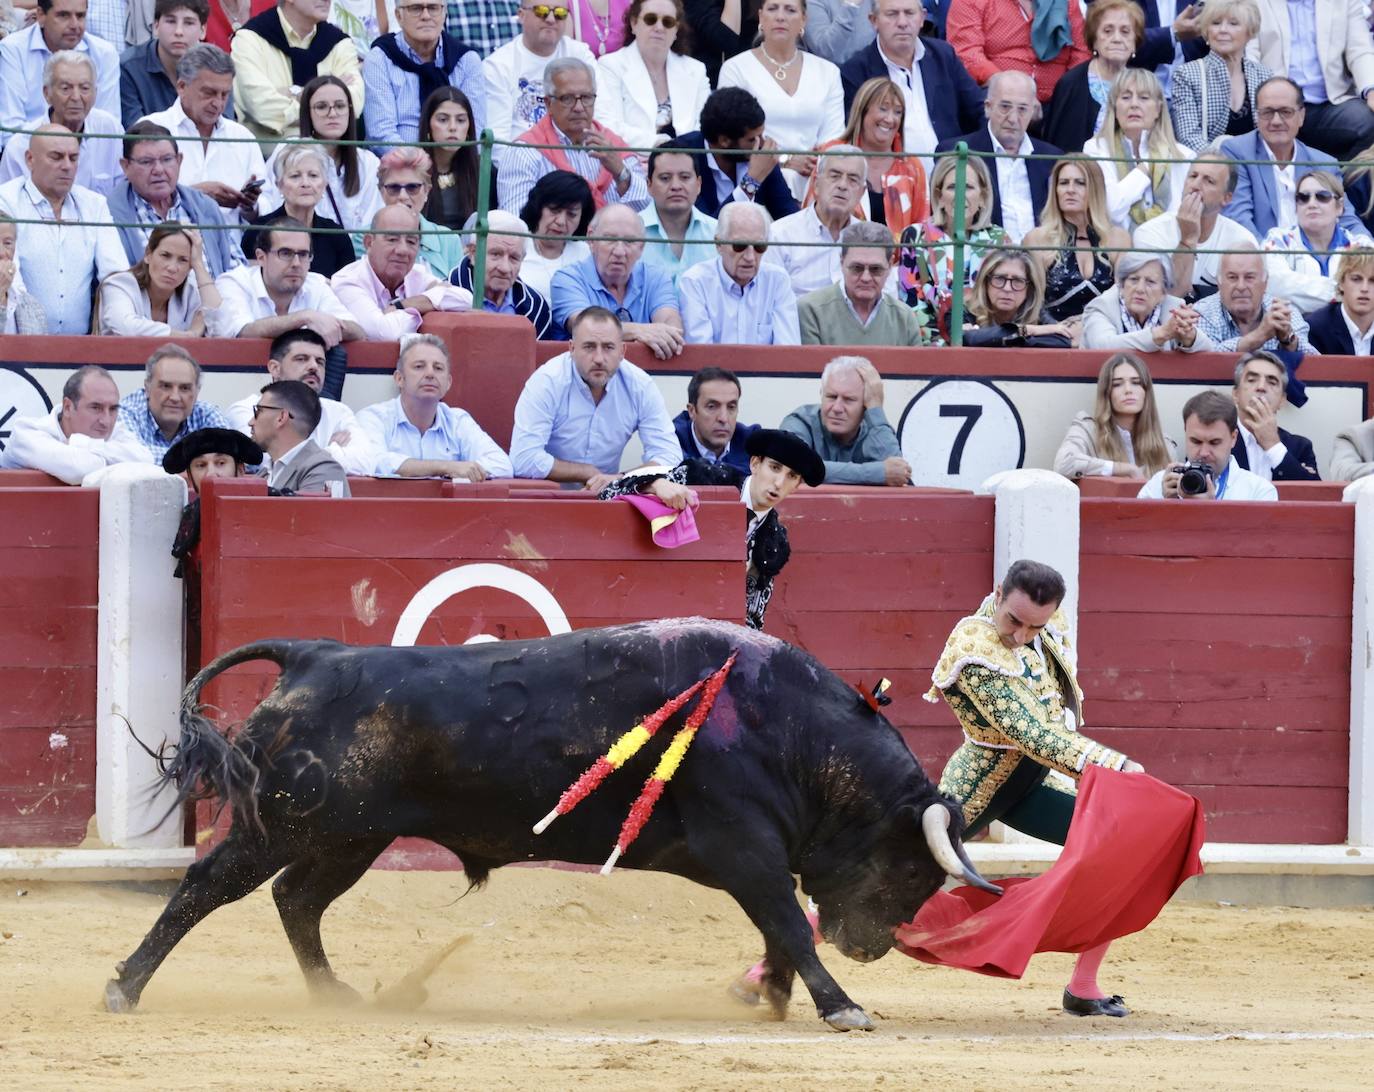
<point>168,291</point>
<point>1135,139</point>
<point>1006,306</point>
<point>1122,437</point>
<point>896,194</point>
<point>1214,96</point>
<point>1115,30</point>
<point>1076,243</point>
<point>925,266</point>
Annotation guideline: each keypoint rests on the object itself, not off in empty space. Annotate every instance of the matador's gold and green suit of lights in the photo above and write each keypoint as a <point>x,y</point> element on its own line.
<point>1020,709</point>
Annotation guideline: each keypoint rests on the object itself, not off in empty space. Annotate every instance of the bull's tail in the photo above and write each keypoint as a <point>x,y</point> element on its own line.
<point>205,764</point>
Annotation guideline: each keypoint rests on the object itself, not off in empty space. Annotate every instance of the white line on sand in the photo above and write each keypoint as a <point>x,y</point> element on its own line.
<point>1106,1037</point>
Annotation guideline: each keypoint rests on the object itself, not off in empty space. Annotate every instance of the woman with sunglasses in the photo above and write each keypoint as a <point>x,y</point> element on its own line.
<point>1007,306</point>
<point>1308,277</point>
<point>350,195</point>
<point>403,177</point>
<point>651,88</point>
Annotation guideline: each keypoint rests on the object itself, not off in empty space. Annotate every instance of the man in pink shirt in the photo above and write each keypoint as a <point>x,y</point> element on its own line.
<point>389,291</point>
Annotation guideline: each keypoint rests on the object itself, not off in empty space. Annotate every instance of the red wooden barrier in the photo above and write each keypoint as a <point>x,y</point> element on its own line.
<point>1214,645</point>
<point>48,558</point>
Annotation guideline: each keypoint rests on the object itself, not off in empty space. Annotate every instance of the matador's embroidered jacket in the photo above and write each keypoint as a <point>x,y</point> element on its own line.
<point>1011,703</point>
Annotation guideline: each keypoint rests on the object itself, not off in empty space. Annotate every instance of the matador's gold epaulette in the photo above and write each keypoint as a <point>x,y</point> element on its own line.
<point>974,641</point>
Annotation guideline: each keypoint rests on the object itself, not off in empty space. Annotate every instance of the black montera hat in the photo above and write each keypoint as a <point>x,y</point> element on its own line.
<point>792,451</point>
<point>210,441</point>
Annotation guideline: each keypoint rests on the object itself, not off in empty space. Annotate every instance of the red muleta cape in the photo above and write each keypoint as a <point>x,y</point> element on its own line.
<point>1132,843</point>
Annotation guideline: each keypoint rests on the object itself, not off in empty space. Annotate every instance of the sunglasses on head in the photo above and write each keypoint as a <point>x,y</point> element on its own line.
<point>652,18</point>
<point>740,248</point>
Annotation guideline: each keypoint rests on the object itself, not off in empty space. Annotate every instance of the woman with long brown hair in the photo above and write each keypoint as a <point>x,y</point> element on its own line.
<point>1122,437</point>
<point>446,122</point>
<point>168,291</point>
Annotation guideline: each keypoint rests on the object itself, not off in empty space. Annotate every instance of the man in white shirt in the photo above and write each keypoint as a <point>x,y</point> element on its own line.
<point>1263,448</point>
<point>299,355</point>
<point>1198,224</point>
<point>69,90</point>
<point>579,410</point>
<point>230,171</point>
<point>1209,430</point>
<point>841,178</point>
<point>421,436</point>
<point>739,299</point>
<point>515,72</point>
<point>81,436</point>
<point>68,244</point>
<point>58,25</point>
<point>278,292</point>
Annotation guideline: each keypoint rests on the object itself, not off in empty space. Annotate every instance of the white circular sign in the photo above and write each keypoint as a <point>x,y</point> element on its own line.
<point>958,432</point>
<point>20,396</point>
<point>478,575</point>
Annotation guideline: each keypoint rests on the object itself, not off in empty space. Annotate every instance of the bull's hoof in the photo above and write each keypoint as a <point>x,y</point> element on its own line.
<point>331,992</point>
<point>116,1000</point>
<point>777,999</point>
<point>747,989</point>
<point>850,1019</point>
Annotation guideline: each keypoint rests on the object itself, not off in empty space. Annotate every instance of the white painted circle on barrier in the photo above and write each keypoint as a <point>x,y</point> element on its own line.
<point>957,432</point>
<point>477,575</point>
<point>20,396</point>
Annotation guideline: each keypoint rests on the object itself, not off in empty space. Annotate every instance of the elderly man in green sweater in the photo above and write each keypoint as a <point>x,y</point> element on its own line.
<point>857,311</point>
<point>848,428</point>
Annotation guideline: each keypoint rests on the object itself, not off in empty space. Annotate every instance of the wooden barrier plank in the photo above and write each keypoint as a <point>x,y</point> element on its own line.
<point>907,524</point>
<point>48,635</point>
<point>1265,644</point>
<point>1236,756</point>
<point>861,638</point>
<point>888,582</point>
<point>49,574</point>
<point>33,518</point>
<point>45,816</point>
<point>1107,704</point>
<point>31,757</point>
<point>1287,816</point>
<point>1215,586</point>
<point>1182,531</point>
<point>51,697</point>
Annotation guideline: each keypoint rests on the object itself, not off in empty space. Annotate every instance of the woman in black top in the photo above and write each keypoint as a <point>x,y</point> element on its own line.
<point>445,123</point>
<point>302,173</point>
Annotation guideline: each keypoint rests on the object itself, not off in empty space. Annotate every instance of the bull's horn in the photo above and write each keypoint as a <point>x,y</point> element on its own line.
<point>935,826</point>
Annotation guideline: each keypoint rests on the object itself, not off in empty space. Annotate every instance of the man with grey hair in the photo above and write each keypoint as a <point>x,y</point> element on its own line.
<point>1243,316</point>
<point>503,292</point>
<point>572,141</point>
<point>514,72</point>
<point>848,428</point>
<point>229,170</point>
<point>857,311</point>
<point>389,290</point>
<point>739,299</point>
<point>418,434</point>
<point>69,83</point>
<point>841,179</point>
<point>168,405</point>
<point>82,435</point>
<point>58,25</point>
<point>1261,447</point>
<point>1019,185</point>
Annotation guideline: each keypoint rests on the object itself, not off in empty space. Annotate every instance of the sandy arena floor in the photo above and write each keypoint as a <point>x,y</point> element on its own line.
<point>568,979</point>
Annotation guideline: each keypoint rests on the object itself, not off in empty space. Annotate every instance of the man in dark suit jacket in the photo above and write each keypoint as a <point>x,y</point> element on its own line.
<point>1329,326</point>
<point>742,161</point>
<point>287,412</point>
<point>1280,455</point>
<point>1009,108</point>
<point>709,427</point>
<point>954,101</point>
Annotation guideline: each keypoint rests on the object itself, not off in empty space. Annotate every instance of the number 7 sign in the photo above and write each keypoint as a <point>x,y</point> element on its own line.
<point>959,432</point>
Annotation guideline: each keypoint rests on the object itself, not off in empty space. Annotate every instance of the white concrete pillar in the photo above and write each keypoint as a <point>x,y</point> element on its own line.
<point>140,660</point>
<point>1361,830</point>
<point>1037,518</point>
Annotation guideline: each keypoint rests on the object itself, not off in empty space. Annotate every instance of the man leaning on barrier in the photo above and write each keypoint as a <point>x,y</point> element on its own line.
<point>1209,470</point>
<point>168,405</point>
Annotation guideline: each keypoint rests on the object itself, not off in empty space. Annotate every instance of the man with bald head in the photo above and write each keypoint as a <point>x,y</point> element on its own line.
<point>841,179</point>
<point>69,92</point>
<point>389,290</point>
<point>739,299</point>
<point>616,277</point>
<point>69,244</point>
<point>1019,185</point>
<point>503,292</point>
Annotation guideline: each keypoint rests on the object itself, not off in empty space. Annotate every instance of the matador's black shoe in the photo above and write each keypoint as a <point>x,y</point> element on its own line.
<point>1095,1006</point>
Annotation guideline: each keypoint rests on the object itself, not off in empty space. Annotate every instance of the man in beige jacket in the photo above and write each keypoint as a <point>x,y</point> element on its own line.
<point>1353,455</point>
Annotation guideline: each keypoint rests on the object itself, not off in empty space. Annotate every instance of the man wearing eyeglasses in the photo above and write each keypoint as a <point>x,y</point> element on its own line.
<point>402,70</point>
<point>857,311</point>
<point>286,413</point>
<point>739,299</point>
<point>279,293</point>
<point>150,193</point>
<point>568,138</point>
<point>1019,185</point>
<point>1266,191</point>
<point>514,73</point>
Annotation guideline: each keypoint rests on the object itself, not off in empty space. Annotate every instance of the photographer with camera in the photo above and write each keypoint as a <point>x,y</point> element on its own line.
<point>1210,423</point>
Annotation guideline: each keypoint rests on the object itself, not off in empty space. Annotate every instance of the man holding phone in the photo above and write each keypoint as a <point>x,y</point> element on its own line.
<point>231,171</point>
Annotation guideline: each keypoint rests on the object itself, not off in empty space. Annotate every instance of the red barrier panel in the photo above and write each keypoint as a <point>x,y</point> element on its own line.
<point>48,562</point>
<point>1214,645</point>
<point>30,479</point>
<point>877,580</point>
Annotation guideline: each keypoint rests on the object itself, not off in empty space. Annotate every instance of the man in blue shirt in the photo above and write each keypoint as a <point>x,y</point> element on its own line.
<point>168,405</point>
<point>640,296</point>
<point>579,410</point>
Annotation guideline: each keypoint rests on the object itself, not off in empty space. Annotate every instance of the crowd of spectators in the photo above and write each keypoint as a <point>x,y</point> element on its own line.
<point>1142,177</point>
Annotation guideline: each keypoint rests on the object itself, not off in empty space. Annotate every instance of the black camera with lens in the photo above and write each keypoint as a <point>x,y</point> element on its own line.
<point>1193,478</point>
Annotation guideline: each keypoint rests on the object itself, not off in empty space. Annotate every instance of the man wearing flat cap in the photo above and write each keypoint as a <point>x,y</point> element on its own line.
<point>778,463</point>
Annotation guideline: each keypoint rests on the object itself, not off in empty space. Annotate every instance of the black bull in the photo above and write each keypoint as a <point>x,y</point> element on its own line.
<point>792,774</point>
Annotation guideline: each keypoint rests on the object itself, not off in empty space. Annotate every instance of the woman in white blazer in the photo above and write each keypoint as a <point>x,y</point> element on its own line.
<point>1138,313</point>
<point>650,87</point>
<point>169,292</point>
